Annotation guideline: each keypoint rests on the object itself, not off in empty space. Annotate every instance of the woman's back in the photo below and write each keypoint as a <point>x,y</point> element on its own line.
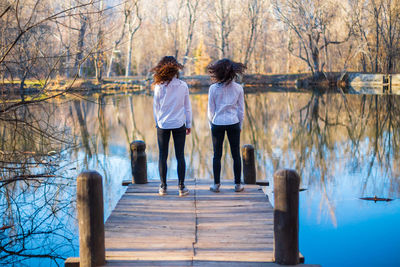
<point>171,102</point>
<point>225,103</point>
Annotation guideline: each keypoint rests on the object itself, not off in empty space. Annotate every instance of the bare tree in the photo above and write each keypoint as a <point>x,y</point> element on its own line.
<point>134,21</point>
<point>80,45</point>
<point>192,7</point>
<point>173,20</point>
<point>377,27</point>
<point>310,21</point>
<point>390,32</point>
<point>376,11</point>
<point>220,16</point>
<point>360,21</point>
<point>99,61</point>
<point>254,12</point>
<point>117,42</point>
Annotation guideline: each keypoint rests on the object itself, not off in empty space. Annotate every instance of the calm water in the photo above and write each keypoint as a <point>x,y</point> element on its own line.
<point>343,146</point>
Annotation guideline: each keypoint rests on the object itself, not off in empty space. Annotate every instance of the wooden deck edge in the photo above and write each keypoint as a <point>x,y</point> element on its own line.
<point>72,262</point>
<point>129,182</point>
<point>199,263</point>
<point>262,183</point>
<point>75,261</point>
<point>301,258</point>
<point>126,182</point>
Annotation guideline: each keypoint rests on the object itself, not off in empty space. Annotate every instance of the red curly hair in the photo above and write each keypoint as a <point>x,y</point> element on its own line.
<point>166,69</point>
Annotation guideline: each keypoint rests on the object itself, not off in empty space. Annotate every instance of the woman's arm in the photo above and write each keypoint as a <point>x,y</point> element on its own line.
<point>211,105</point>
<point>240,109</point>
<point>188,109</point>
<point>156,102</point>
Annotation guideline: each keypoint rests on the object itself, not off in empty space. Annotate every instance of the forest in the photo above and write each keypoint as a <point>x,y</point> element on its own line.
<point>49,39</point>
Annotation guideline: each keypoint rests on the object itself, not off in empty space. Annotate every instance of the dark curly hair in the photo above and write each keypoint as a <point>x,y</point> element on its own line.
<point>225,70</point>
<point>166,69</point>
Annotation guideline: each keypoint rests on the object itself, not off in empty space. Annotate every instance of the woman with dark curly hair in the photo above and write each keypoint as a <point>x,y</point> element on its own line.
<point>172,114</point>
<point>225,114</point>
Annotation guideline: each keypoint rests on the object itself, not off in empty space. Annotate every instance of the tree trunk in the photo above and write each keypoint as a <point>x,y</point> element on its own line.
<point>192,9</point>
<point>315,57</point>
<point>111,62</point>
<point>79,54</point>
<point>98,68</point>
<point>363,63</point>
<point>249,48</point>
<point>129,56</point>
<point>116,43</point>
<point>98,59</point>
<point>68,63</point>
<point>376,40</point>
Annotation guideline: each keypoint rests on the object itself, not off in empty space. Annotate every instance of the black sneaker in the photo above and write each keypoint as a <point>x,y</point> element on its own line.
<point>215,188</point>
<point>162,191</point>
<point>183,191</point>
<point>239,188</point>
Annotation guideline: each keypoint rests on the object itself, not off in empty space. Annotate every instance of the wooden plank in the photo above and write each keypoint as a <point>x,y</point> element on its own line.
<point>226,229</point>
<point>199,263</point>
<point>244,264</point>
<point>234,255</point>
<point>147,227</point>
<point>148,263</point>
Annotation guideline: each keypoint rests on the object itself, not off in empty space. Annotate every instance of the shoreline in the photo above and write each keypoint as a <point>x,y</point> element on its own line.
<point>301,81</point>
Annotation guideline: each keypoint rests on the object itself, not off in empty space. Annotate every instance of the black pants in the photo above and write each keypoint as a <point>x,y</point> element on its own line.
<point>179,136</point>
<point>218,135</point>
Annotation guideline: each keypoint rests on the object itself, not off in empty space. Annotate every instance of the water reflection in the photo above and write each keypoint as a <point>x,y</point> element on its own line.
<point>38,218</point>
<point>343,146</point>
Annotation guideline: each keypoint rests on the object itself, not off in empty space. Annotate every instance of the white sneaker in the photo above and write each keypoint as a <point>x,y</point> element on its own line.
<point>183,191</point>
<point>162,191</point>
<point>215,188</point>
<point>239,188</point>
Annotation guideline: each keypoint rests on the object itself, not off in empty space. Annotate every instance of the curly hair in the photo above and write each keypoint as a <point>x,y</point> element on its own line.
<point>225,70</point>
<point>166,69</point>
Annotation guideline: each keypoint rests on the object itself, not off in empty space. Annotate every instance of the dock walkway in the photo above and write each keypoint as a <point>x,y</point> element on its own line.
<point>201,229</point>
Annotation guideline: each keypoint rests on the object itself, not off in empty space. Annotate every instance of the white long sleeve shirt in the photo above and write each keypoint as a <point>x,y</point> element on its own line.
<point>171,106</point>
<point>226,103</point>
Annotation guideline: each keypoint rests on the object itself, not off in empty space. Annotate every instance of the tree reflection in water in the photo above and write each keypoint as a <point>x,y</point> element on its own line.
<point>36,196</point>
<point>325,137</point>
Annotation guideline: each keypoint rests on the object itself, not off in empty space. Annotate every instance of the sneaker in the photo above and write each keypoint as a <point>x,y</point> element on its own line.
<point>215,188</point>
<point>183,191</point>
<point>239,188</point>
<point>162,191</point>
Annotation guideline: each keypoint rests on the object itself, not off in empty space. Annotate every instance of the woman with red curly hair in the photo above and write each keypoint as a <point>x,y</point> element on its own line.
<point>172,114</point>
<point>225,114</point>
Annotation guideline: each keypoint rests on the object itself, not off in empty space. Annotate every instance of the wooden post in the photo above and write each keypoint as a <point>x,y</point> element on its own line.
<point>89,195</point>
<point>249,166</point>
<point>286,217</point>
<point>138,162</point>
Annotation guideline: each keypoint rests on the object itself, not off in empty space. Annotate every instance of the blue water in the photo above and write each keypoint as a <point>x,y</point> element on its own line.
<point>365,234</point>
<point>354,155</point>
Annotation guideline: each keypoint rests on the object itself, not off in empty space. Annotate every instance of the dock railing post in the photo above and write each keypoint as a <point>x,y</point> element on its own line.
<point>89,194</point>
<point>286,217</point>
<point>138,162</point>
<point>249,166</point>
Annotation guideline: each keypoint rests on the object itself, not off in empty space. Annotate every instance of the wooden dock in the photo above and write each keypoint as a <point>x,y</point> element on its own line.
<point>201,229</point>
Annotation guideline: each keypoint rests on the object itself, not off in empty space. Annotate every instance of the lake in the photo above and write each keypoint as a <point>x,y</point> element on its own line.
<point>344,146</point>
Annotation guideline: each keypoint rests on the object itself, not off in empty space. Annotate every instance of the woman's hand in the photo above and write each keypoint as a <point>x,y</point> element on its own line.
<point>188,130</point>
